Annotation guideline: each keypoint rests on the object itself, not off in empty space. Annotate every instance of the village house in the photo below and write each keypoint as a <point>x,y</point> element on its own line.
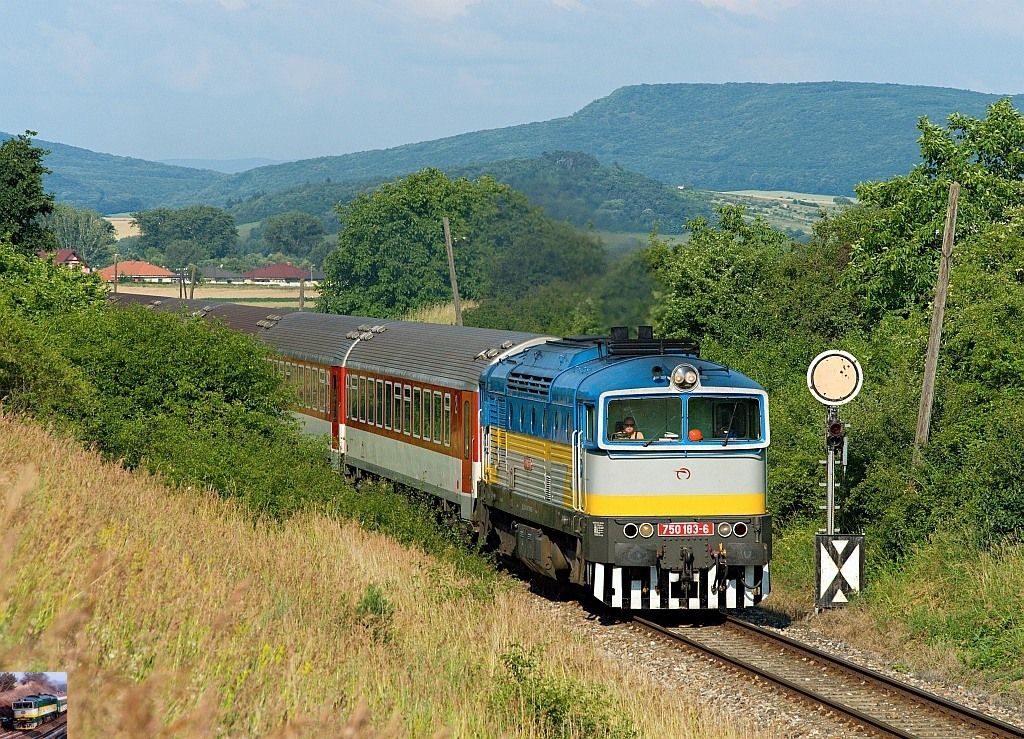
<point>137,271</point>
<point>278,274</point>
<point>67,258</point>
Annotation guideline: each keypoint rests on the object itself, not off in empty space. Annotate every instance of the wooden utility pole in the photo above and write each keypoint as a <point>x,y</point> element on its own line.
<point>192,285</point>
<point>116,255</point>
<point>302,293</point>
<point>924,413</point>
<point>451,270</point>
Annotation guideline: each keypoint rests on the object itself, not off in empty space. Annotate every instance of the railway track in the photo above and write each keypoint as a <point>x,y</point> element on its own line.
<point>880,704</point>
<point>56,730</point>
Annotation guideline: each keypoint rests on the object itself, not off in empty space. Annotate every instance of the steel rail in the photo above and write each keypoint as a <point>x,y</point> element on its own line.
<point>992,727</point>
<point>955,710</point>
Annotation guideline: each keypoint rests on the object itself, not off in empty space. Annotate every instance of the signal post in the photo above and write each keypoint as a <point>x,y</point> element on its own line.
<point>834,379</point>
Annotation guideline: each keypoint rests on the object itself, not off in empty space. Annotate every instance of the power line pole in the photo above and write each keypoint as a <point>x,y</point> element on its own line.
<point>924,413</point>
<point>451,270</point>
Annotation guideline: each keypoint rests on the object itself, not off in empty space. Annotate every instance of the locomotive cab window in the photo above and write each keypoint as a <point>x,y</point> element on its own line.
<point>721,419</point>
<point>641,420</point>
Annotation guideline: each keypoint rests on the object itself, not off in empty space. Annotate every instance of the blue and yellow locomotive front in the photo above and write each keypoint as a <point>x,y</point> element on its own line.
<point>631,467</point>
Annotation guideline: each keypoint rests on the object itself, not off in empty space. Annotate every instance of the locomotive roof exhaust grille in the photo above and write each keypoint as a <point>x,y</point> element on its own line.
<point>529,384</point>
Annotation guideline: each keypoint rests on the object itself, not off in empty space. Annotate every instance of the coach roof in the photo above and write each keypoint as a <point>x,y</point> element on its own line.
<point>422,351</point>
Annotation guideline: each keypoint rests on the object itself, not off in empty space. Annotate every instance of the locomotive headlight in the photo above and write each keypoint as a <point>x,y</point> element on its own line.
<point>724,529</point>
<point>739,528</point>
<point>646,530</point>
<point>685,376</point>
<point>630,530</point>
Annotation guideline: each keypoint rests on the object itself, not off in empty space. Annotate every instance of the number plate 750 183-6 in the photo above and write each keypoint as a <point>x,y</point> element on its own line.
<point>686,528</point>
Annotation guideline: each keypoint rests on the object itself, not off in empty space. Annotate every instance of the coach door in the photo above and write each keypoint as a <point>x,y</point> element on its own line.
<point>462,437</point>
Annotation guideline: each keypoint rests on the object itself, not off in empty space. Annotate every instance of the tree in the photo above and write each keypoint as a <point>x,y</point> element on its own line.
<point>211,228</point>
<point>714,278</point>
<point>22,196</point>
<point>7,681</point>
<point>296,234</point>
<point>894,255</point>
<point>83,231</point>
<point>391,255</point>
<point>183,252</point>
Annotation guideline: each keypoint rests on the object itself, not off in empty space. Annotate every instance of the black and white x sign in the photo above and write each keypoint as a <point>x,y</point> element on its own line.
<point>839,560</point>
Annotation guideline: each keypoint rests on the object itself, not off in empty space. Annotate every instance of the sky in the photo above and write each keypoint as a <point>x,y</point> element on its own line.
<point>230,79</point>
<point>60,678</point>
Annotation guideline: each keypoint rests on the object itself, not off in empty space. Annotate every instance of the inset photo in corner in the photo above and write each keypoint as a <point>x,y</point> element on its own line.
<point>34,700</point>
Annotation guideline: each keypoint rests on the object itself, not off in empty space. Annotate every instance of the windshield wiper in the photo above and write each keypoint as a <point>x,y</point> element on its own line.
<point>732,418</point>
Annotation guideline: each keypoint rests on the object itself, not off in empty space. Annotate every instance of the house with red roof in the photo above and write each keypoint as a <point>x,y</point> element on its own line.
<point>137,271</point>
<point>66,258</point>
<point>277,274</point>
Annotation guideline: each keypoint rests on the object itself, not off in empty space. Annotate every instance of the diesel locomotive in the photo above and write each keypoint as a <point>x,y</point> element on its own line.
<point>31,711</point>
<point>526,436</point>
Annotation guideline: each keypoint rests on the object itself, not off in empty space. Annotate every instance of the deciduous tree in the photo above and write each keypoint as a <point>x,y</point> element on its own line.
<point>23,200</point>
<point>84,231</point>
<point>296,234</point>
<point>211,228</point>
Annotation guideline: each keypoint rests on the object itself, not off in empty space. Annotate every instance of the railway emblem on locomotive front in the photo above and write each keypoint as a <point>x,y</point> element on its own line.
<point>527,463</point>
<point>683,473</point>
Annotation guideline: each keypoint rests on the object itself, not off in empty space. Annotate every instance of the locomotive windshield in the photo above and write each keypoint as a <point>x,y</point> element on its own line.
<point>688,419</point>
<point>651,417</point>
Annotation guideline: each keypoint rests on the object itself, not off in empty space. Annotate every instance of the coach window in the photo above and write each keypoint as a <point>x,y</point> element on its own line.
<point>437,417</point>
<point>379,394</point>
<point>371,401</point>
<point>417,399</point>
<point>467,433</point>
<point>350,396</point>
<point>428,415</point>
<point>387,405</point>
<point>407,410</point>
<point>446,426</point>
<point>361,402</point>
<point>397,402</point>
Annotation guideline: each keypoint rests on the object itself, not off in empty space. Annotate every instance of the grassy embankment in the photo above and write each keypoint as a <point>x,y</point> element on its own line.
<point>175,614</point>
<point>947,612</point>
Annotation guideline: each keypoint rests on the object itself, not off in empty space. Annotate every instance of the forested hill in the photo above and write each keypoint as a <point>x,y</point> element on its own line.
<point>570,186</point>
<point>116,184</point>
<point>819,137</point>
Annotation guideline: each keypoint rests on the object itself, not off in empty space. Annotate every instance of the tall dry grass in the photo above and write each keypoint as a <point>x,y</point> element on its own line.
<point>175,614</point>
<point>443,313</point>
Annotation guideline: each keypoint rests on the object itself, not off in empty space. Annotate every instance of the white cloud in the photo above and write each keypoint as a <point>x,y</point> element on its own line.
<point>440,10</point>
<point>751,7</point>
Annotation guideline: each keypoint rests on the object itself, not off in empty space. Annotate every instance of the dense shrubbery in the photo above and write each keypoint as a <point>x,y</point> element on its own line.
<point>766,305</point>
<point>178,396</point>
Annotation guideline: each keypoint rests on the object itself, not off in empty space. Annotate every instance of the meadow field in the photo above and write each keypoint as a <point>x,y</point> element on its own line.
<point>176,613</point>
<point>284,296</point>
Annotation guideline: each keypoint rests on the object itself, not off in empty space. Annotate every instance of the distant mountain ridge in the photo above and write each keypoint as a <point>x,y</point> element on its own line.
<point>821,137</point>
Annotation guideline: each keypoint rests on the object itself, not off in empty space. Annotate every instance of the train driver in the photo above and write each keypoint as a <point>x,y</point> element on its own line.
<point>629,429</point>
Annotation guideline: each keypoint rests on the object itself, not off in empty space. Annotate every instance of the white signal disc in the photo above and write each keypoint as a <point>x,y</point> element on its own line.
<point>834,377</point>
